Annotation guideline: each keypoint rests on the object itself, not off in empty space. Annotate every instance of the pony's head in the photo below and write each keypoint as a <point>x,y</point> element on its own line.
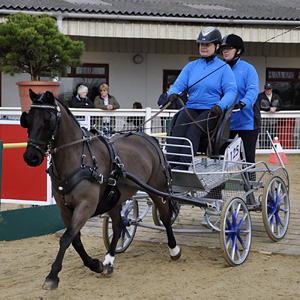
<point>42,122</point>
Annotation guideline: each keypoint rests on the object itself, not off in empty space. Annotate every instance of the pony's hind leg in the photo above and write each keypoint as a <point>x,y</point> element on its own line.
<point>165,211</point>
<point>117,226</point>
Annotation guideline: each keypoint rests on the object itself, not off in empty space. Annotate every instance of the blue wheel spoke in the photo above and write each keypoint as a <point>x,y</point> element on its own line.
<point>234,248</point>
<point>242,221</point>
<point>283,210</point>
<point>245,231</point>
<point>229,238</point>
<point>241,241</point>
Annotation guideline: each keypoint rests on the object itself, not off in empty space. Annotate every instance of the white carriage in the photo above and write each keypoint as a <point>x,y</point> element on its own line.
<point>227,188</point>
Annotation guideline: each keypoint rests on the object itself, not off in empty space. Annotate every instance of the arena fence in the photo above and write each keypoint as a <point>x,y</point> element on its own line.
<point>284,124</point>
<point>26,222</point>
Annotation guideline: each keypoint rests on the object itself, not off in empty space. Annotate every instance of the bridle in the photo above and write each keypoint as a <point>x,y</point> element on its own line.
<point>53,124</point>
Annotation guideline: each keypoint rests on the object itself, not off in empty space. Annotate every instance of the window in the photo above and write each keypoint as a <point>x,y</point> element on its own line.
<point>286,83</point>
<point>169,76</point>
<point>91,75</point>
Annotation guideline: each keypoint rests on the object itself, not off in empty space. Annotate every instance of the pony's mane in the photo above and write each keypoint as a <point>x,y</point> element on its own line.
<point>62,104</point>
<point>68,111</point>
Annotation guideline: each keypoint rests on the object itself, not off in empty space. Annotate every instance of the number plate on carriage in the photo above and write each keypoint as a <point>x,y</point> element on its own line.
<point>234,150</point>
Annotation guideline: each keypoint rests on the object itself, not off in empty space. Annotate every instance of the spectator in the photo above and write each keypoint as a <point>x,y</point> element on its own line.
<point>137,105</point>
<point>163,99</point>
<point>105,100</point>
<point>269,102</point>
<point>135,121</point>
<point>81,100</point>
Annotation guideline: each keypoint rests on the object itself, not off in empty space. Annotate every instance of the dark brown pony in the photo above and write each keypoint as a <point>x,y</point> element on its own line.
<point>83,179</point>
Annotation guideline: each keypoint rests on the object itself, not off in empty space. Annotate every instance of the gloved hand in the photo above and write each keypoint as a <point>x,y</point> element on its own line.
<point>216,110</point>
<point>239,105</point>
<point>173,97</point>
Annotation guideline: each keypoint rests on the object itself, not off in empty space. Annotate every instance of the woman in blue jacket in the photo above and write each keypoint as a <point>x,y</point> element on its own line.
<point>246,122</point>
<point>214,91</point>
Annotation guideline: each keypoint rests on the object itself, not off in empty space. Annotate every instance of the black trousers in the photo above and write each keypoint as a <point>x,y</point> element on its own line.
<point>184,127</point>
<point>249,138</point>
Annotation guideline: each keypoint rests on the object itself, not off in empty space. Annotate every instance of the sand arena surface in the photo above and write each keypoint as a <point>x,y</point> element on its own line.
<point>145,270</point>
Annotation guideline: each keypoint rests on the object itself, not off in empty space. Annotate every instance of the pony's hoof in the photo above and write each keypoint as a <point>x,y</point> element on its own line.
<point>97,266</point>
<point>175,253</point>
<point>100,267</point>
<point>50,284</point>
<point>107,270</point>
<point>176,256</point>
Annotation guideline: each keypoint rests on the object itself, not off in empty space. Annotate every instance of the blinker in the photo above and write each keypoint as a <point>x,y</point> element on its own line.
<point>23,120</point>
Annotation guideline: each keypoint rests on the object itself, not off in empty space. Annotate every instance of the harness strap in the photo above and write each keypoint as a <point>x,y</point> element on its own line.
<point>65,186</point>
<point>117,167</point>
<point>95,162</point>
<point>162,157</point>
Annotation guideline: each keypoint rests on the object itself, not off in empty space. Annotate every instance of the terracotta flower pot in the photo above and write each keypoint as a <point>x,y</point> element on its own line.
<point>38,87</point>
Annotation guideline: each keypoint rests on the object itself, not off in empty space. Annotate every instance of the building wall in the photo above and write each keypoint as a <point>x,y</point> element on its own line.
<point>130,82</point>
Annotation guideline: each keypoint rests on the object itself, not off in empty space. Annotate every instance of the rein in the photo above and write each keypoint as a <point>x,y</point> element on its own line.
<point>84,139</point>
<point>36,144</point>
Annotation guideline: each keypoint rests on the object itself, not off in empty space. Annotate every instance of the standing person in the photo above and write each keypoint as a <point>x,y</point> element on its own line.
<point>211,87</point>
<point>107,102</point>
<point>246,122</point>
<point>81,100</point>
<point>163,99</point>
<point>269,102</point>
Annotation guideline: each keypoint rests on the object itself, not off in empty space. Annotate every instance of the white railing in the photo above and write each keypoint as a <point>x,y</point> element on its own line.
<point>284,124</point>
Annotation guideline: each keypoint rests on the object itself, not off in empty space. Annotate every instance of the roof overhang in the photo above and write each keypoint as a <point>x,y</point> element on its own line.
<point>175,28</point>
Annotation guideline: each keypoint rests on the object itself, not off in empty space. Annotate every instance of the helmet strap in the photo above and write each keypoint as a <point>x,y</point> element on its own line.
<point>234,60</point>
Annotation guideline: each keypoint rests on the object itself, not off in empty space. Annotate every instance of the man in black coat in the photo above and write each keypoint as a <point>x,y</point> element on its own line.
<point>269,102</point>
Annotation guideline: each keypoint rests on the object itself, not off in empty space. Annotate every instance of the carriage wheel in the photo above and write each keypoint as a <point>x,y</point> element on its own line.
<point>235,231</point>
<point>129,212</point>
<point>276,208</point>
<point>156,215</point>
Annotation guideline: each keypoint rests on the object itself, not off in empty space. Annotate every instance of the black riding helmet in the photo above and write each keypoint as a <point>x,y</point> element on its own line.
<point>210,35</point>
<point>232,40</point>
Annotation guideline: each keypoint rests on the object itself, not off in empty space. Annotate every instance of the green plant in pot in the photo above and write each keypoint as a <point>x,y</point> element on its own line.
<point>33,44</point>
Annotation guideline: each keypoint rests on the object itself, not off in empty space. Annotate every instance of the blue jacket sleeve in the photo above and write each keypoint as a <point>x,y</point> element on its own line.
<point>229,88</point>
<point>181,83</point>
<point>248,91</point>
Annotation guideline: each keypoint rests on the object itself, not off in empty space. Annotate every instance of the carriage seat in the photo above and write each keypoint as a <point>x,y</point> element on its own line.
<point>220,140</point>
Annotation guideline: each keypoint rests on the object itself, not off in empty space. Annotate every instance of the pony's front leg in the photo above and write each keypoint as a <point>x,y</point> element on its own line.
<point>117,226</point>
<point>74,223</point>
<point>93,264</point>
<point>52,280</point>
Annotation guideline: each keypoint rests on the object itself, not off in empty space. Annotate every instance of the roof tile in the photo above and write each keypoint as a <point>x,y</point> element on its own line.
<point>224,9</point>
